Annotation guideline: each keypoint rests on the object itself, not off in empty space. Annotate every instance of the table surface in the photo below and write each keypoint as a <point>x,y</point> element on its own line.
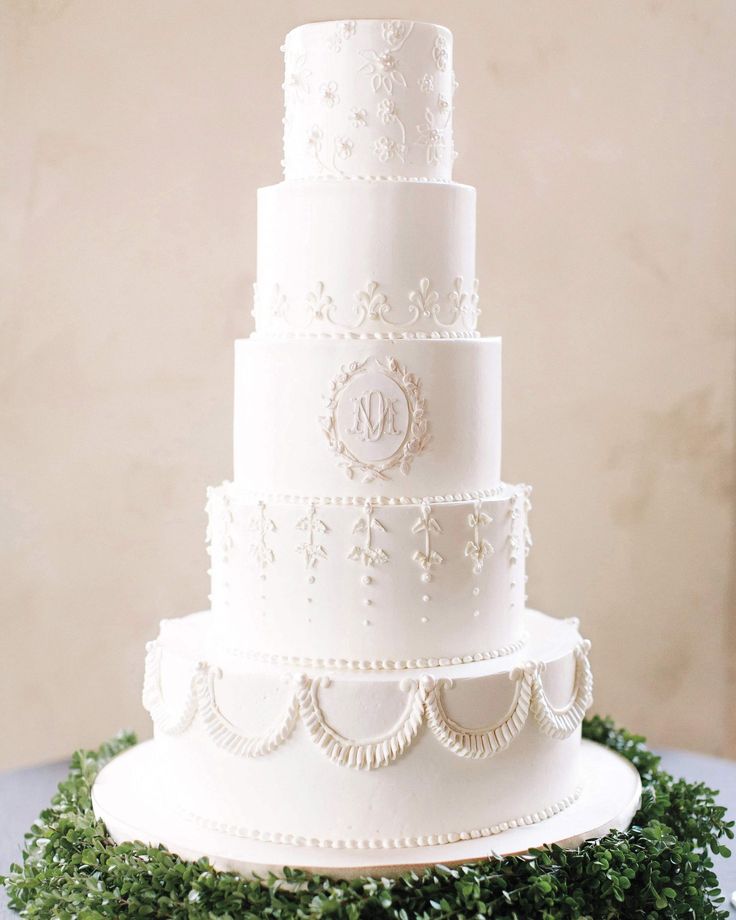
<point>24,793</point>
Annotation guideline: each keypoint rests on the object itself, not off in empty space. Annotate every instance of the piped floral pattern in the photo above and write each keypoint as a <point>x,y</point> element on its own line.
<point>349,95</point>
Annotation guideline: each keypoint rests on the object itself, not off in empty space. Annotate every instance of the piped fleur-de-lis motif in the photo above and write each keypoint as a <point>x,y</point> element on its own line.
<point>277,304</point>
<point>428,525</point>
<point>426,300</point>
<point>465,304</point>
<point>261,525</point>
<point>462,306</point>
<point>274,307</point>
<point>219,510</point>
<point>311,525</point>
<point>368,554</point>
<point>457,310</point>
<point>528,542</point>
<point>478,549</point>
<point>318,302</point>
<point>258,304</point>
<point>371,302</point>
<point>520,537</point>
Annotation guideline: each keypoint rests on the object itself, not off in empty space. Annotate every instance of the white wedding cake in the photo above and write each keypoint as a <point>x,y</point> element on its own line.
<point>368,676</point>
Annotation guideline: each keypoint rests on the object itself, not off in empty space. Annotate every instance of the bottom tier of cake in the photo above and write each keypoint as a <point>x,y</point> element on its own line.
<point>368,759</point>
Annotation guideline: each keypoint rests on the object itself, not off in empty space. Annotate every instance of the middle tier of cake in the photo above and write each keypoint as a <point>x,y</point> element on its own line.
<point>367,417</point>
<point>380,584</point>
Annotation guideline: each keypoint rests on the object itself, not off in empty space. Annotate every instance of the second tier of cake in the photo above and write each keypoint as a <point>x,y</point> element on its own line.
<point>377,584</point>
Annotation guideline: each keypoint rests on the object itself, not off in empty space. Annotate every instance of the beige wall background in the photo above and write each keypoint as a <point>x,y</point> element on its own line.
<point>602,139</point>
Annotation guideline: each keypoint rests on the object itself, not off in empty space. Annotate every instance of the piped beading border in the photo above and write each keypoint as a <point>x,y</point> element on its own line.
<point>425,704</point>
<point>433,336</point>
<point>501,491</point>
<point>386,843</point>
<point>379,664</point>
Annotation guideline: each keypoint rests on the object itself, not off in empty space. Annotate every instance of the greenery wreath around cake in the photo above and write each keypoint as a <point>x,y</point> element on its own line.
<point>660,867</point>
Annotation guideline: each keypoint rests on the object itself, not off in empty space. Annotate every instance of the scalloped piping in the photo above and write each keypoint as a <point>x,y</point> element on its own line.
<point>426,840</point>
<point>224,733</point>
<point>479,743</point>
<point>561,722</point>
<point>362,755</point>
<point>425,702</point>
<point>378,664</point>
<point>169,722</point>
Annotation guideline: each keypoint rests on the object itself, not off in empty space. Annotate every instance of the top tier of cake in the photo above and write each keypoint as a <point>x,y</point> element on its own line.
<point>368,98</point>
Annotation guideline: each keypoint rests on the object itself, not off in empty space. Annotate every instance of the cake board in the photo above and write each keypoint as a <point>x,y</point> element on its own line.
<point>128,786</point>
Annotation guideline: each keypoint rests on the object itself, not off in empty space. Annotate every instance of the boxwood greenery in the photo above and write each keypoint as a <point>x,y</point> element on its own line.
<point>660,867</point>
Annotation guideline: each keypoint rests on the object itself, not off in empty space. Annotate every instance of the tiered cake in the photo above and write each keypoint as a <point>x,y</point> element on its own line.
<point>368,676</point>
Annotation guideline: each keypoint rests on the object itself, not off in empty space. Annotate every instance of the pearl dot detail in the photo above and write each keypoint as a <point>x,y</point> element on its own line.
<point>425,619</point>
<point>366,622</point>
<point>426,578</point>
<point>366,579</point>
<point>426,598</point>
<point>476,591</point>
<point>476,613</point>
<point>368,602</point>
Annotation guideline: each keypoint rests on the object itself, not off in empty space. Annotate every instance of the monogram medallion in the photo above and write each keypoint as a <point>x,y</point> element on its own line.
<point>376,418</point>
<point>373,417</point>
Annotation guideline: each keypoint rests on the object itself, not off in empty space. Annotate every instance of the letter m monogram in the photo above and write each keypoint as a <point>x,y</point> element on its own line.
<point>374,415</point>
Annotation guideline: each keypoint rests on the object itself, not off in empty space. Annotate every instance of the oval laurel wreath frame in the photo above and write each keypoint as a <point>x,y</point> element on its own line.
<point>417,435</point>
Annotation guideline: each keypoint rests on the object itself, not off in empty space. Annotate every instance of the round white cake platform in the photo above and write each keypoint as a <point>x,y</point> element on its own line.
<point>127,798</point>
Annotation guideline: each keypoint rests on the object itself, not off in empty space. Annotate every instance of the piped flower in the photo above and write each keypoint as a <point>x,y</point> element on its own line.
<point>329,95</point>
<point>343,147</point>
<point>386,149</point>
